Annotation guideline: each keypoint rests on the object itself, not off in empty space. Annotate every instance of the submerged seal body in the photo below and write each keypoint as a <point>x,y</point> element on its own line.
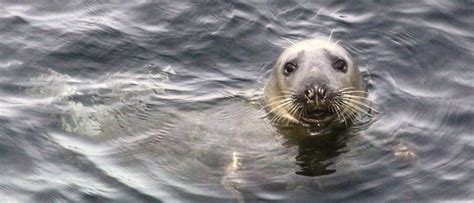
<point>315,82</point>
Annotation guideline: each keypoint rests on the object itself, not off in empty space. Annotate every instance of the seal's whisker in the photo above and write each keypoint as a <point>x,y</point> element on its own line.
<point>353,117</point>
<point>278,97</point>
<point>278,107</point>
<point>347,88</point>
<point>347,113</point>
<point>285,94</point>
<point>284,105</point>
<point>356,108</point>
<point>339,107</point>
<point>360,99</point>
<point>350,113</point>
<point>353,114</point>
<point>288,92</point>
<point>302,109</point>
<point>350,107</point>
<point>280,116</point>
<point>354,91</point>
<point>291,111</point>
<point>276,118</point>
<point>334,110</point>
<point>281,104</point>
<point>299,108</point>
<point>294,109</point>
<point>355,96</point>
<point>277,102</point>
<point>359,103</point>
<point>291,91</point>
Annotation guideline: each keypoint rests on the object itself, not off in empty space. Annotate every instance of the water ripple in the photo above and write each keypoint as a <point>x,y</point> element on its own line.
<point>161,101</point>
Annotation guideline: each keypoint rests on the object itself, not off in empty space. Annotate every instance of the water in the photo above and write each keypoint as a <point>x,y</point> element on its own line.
<point>154,101</point>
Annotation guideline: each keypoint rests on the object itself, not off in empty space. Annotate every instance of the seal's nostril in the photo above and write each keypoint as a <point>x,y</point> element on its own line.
<point>309,93</point>
<point>322,91</point>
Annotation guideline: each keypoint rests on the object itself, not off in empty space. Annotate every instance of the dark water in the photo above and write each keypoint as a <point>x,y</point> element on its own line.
<point>153,101</point>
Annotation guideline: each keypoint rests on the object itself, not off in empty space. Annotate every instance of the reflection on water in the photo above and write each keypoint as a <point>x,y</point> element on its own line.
<point>155,101</point>
<point>316,153</point>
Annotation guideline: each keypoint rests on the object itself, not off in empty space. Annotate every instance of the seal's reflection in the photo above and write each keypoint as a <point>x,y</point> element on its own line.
<point>316,150</point>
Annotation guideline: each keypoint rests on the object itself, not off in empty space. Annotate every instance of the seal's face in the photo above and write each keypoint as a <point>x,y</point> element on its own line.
<point>315,81</point>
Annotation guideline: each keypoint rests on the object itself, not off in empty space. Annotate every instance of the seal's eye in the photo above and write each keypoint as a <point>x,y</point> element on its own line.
<point>289,68</point>
<point>340,65</point>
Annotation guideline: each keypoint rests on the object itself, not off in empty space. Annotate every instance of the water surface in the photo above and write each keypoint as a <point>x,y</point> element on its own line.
<point>153,101</point>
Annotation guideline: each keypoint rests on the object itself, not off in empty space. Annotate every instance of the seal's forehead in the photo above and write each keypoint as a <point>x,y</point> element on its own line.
<point>292,53</point>
<point>316,46</point>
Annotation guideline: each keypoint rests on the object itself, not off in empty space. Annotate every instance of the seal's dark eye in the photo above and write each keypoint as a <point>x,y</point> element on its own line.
<point>289,68</point>
<point>340,65</point>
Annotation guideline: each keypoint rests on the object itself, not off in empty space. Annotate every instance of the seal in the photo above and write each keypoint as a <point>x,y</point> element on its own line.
<point>316,82</point>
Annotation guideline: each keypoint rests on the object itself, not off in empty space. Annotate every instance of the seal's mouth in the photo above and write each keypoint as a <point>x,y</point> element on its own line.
<point>317,113</point>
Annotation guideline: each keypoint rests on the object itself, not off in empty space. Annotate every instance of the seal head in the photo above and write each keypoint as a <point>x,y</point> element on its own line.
<point>315,82</point>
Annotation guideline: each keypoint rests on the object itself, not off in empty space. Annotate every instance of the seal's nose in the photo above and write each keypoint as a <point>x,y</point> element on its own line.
<point>315,92</point>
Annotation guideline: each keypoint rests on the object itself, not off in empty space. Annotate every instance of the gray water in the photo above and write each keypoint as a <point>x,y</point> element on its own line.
<point>154,101</point>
